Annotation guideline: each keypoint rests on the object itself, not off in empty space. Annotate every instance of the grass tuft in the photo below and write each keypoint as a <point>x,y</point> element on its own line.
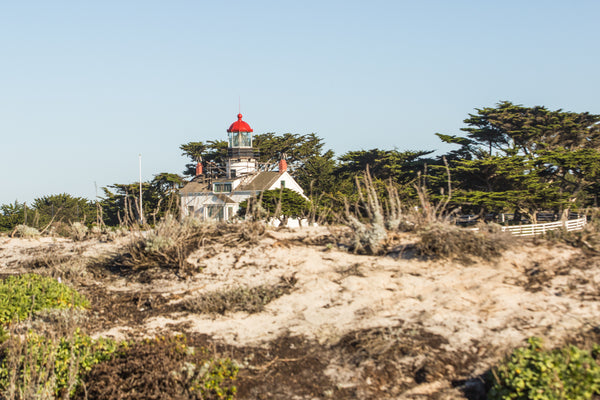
<point>444,240</point>
<point>27,232</point>
<point>251,300</point>
<point>170,242</point>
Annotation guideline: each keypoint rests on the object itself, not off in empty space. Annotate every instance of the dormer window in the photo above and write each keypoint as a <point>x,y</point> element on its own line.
<point>222,187</point>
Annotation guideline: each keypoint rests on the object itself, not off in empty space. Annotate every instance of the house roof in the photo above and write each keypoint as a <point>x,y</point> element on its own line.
<point>262,181</point>
<point>224,198</point>
<point>258,182</point>
<point>194,187</point>
<point>201,183</point>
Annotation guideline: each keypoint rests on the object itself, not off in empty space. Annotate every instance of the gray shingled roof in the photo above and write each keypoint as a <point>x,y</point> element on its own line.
<point>259,182</point>
<point>262,181</point>
<point>224,198</point>
<point>200,184</point>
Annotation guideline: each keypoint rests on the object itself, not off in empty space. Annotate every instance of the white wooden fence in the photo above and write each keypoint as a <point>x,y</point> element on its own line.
<point>539,229</point>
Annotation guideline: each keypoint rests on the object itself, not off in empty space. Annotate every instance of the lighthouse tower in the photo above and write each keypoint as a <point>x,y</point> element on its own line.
<point>240,154</point>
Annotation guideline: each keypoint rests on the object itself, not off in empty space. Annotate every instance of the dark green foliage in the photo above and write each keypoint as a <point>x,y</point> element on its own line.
<point>386,167</point>
<point>298,149</point>
<point>317,174</point>
<point>120,204</point>
<point>532,373</point>
<point>61,208</point>
<point>213,154</point>
<point>400,166</point>
<point>12,215</point>
<point>278,203</point>
<point>524,159</point>
<point>510,129</point>
<point>23,295</point>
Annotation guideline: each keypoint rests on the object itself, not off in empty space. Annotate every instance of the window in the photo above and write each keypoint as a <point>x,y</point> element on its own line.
<point>214,212</point>
<point>222,187</point>
<point>240,139</point>
<point>282,184</point>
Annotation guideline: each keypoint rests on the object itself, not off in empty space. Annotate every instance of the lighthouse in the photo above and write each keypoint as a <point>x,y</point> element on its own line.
<point>240,154</point>
<point>219,197</point>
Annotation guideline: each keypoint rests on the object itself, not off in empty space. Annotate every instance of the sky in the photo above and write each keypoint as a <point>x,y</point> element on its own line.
<point>88,86</point>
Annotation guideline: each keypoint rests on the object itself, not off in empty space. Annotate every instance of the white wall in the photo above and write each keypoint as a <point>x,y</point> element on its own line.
<point>290,183</point>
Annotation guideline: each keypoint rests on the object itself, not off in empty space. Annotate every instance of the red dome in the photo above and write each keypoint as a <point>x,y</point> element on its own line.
<point>239,126</point>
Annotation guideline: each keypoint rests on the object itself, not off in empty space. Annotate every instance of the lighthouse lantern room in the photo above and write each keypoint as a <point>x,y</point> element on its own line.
<point>240,152</point>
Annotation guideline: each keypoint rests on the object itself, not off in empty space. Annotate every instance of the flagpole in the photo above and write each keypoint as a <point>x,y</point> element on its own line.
<point>141,209</point>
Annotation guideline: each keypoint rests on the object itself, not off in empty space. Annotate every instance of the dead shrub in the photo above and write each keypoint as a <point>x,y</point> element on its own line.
<point>444,240</point>
<point>27,232</point>
<point>248,299</point>
<point>161,368</point>
<point>368,233</point>
<point>58,263</point>
<point>400,356</point>
<point>588,238</point>
<point>78,231</point>
<point>170,242</point>
<point>371,223</point>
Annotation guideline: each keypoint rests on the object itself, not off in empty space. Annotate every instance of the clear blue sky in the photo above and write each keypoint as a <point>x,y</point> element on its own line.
<point>87,86</point>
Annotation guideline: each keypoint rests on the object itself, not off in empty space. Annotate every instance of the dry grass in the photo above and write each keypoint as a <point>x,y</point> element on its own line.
<point>369,233</point>
<point>587,239</point>
<point>27,232</point>
<point>78,231</point>
<point>444,240</point>
<point>57,263</point>
<point>170,242</point>
<point>372,227</point>
<point>247,299</point>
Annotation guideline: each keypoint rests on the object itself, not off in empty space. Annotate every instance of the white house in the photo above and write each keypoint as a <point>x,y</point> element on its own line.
<point>218,197</point>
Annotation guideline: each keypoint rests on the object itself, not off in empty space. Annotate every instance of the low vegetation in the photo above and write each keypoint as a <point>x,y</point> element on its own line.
<point>171,241</point>
<point>39,367</point>
<point>535,373</point>
<point>26,232</point>
<point>511,159</point>
<point>441,240</point>
<point>153,368</point>
<point>24,295</point>
<point>247,299</point>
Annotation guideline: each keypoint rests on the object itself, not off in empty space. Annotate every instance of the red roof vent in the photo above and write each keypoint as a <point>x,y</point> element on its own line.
<point>239,126</point>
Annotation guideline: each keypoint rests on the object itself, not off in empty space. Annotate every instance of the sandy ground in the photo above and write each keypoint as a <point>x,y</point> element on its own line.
<point>483,309</point>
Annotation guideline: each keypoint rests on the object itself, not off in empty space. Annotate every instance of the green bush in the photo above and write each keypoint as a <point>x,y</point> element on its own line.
<point>25,294</point>
<point>532,373</point>
<point>43,368</point>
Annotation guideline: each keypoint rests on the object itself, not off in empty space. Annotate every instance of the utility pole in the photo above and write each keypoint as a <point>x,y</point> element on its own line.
<point>141,209</point>
<point>97,210</point>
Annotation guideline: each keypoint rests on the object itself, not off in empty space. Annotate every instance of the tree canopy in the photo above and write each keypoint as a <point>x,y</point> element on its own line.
<point>507,158</point>
<point>524,159</point>
<point>277,203</point>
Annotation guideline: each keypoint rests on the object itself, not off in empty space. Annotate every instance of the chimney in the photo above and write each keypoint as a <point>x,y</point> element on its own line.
<point>282,165</point>
<point>199,169</point>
